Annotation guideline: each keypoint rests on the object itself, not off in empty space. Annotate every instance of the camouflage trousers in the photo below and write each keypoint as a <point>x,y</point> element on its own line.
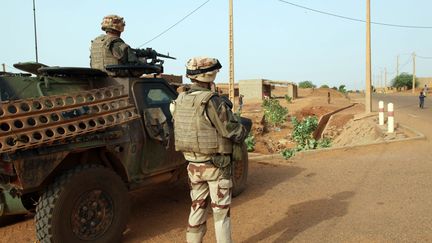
<point>206,180</point>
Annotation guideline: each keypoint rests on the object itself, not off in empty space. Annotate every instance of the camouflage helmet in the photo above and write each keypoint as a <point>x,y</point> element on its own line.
<point>113,22</point>
<point>203,69</point>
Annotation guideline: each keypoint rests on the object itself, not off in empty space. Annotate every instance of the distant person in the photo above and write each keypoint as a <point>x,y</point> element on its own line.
<point>328,97</point>
<point>240,103</point>
<point>425,90</point>
<point>421,99</point>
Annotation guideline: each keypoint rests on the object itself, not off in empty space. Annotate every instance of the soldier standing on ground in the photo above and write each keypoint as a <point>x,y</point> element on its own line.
<point>205,129</point>
<point>109,48</point>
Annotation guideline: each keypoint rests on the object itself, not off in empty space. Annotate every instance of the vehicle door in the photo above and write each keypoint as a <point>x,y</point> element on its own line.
<point>153,99</point>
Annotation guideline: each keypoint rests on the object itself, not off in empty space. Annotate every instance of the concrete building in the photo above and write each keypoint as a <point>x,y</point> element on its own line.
<point>424,81</point>
<point>253,89</point>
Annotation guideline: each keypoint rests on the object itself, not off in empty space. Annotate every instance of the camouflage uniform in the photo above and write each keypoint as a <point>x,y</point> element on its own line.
<point>109,48</point>
<point>209,167</point>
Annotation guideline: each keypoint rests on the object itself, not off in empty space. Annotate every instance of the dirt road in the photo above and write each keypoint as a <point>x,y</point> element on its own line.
<point>377,193</point>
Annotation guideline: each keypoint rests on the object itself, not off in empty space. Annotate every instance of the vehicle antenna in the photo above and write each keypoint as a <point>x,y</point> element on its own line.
<point>35,33</point>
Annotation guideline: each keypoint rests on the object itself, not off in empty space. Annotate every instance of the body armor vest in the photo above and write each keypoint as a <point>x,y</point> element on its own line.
<point>100,53</point>
<point>193,131</point>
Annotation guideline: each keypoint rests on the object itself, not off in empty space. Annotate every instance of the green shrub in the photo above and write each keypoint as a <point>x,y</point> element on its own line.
<point>324,143</point>
<point>306,84</point>
<point>274,113</point>
<point>342,89</point>
<point>302,135</point>
<point>302,132</point>
<point>324,86</point>
<point>288,153</point>
<point>250,142</point>
<point>288,98</point>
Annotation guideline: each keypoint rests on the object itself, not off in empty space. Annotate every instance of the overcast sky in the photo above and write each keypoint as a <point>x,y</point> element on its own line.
<point>273,39</point>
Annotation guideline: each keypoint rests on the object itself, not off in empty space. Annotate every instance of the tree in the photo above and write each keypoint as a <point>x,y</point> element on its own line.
<point>306,84</point>
<point>324,86</point>
<point>403,80</point>
<point>342,89</point>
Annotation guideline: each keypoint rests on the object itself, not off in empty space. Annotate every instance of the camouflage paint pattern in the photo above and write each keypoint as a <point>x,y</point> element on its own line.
<point>207,180</point>
<point>127,149</point>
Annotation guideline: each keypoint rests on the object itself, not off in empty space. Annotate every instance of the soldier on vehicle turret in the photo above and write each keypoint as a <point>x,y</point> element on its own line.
<point>109,53</point>
<point>109,48</point>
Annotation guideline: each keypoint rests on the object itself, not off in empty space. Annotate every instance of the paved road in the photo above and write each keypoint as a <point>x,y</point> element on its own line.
<point>407,109</point>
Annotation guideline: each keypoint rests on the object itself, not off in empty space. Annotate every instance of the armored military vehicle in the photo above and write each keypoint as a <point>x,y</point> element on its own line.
<point>74,141</point>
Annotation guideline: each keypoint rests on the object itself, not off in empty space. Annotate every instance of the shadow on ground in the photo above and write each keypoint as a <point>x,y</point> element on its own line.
<point>299,217</point>
<point>164,209</point>
<point>12,219</point>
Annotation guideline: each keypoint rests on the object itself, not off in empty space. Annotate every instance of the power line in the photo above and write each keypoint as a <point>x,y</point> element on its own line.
<point>423,57</point>
<point>357,20</point>
<point>178,22</point>
<point>406,63</point>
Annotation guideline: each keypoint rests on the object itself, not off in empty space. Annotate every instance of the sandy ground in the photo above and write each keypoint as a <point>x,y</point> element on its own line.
<point>311,102</point>
<point>322,197</point>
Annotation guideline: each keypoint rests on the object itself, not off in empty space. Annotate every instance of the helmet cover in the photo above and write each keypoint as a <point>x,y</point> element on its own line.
<point>113,22</point>
<point>203,69</point>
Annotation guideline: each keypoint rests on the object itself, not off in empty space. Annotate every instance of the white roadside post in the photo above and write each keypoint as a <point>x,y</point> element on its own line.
<point>390,118</point>
<point>381,113</point>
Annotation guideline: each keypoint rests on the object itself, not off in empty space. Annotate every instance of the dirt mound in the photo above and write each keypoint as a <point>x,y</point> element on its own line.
<point>320,92</point>
<point>358,132</point>
<point>312,111</point>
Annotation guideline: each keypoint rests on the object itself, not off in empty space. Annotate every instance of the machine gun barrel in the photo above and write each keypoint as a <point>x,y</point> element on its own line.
<point>150,53</point>
<point>165,56</point>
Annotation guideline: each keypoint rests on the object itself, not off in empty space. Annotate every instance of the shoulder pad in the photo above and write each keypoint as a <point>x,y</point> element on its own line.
<point>208,96</point>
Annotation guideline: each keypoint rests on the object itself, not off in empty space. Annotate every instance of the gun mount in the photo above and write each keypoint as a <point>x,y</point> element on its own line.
<point>149,63</point>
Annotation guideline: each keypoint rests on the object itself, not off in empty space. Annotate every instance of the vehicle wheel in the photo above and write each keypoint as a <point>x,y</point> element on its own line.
<point>88,203</point>
<point>240,173</point>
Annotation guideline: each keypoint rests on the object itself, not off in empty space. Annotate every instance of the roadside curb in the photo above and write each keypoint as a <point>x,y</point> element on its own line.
<point>419,136</point>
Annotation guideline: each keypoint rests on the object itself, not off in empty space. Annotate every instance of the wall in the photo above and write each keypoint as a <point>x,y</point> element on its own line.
<point>423,81</point>
<point>252,89</point>
<point>292,91</point>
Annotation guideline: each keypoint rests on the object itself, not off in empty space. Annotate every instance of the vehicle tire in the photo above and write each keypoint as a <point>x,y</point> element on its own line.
<point>88,203</point>
<point>240,173</point>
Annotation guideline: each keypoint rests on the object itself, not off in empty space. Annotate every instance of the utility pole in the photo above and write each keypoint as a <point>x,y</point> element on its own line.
<point>414,74</point>
<point>381,78</point>
<point>368,95</point>
<point>231,54</point>
<point>385,79</point>
<point>397,66</point>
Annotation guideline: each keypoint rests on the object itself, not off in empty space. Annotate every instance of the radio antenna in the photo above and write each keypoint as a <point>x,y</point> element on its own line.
<point>35,32</point>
